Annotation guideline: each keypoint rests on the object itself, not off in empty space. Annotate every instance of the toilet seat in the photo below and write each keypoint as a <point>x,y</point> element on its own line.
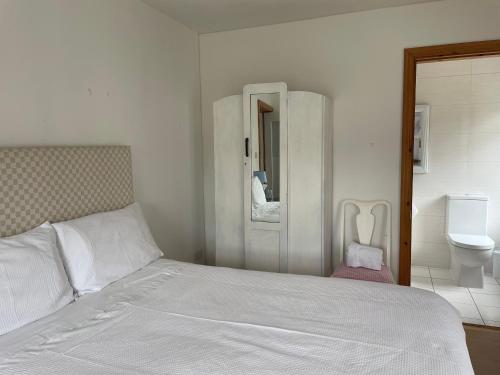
<point>471,241</point>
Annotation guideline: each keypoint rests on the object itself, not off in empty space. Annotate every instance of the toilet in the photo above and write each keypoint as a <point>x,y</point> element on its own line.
<point>470,247</point>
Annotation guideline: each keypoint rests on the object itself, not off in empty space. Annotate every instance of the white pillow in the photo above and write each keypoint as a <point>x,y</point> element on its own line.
<point>364,256</point>
<point>101,248</point>
<point>33,283</point>
<point>258,195</point>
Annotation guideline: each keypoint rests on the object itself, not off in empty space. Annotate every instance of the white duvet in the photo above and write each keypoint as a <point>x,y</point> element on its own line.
<point>179,318</point>
<point>268,212</point>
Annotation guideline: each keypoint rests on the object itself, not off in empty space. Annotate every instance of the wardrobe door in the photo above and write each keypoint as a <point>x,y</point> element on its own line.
<point>228,159</point>
<point>265,125</point>
<point>306,184</point>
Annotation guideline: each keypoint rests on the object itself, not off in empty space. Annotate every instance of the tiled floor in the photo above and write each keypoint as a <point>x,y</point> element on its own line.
<point>478,306</point>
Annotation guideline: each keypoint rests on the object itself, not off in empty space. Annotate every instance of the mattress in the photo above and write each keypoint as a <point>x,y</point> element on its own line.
<point>268,212</point>
<point>180,318</point>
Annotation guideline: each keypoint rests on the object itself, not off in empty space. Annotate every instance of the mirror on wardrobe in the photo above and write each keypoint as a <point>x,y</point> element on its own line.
<point>265,156</point>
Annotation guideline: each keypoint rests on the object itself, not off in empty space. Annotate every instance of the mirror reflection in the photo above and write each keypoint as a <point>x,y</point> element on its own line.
<point>265,141</point>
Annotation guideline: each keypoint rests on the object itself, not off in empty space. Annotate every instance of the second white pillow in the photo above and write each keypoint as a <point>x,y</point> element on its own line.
<point>101,248</point>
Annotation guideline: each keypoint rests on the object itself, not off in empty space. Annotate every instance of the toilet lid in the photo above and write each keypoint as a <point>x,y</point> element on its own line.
<point>471,241</point>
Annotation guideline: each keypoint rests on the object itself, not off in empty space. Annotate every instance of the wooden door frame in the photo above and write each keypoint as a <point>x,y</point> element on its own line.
<point>262,108</point>
<point>412,56</point>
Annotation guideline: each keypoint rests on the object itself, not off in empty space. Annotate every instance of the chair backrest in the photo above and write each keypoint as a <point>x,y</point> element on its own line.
<point>365,225</point>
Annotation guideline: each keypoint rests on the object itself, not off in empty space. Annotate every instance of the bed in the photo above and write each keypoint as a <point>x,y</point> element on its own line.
<point>179,318</point>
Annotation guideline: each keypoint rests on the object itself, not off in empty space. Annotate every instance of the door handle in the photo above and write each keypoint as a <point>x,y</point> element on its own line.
<point>246,147</point>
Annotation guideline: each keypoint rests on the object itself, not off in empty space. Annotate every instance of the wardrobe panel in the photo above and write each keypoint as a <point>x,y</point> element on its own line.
<point>228,158</point>
<point>305,150</point>
<point>264,250</point>
<point>327,253</point>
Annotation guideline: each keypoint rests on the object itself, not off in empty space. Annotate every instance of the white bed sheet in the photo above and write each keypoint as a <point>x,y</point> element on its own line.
<point>268,212</point>
<point>180,318</point>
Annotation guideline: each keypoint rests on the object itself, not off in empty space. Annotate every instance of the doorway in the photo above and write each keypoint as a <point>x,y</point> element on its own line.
<point>417,162</point>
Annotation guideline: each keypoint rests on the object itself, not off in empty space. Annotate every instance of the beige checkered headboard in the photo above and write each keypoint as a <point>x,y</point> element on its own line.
<point>61,183</point>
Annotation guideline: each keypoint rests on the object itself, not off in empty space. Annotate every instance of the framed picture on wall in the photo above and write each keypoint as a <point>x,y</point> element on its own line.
<point>421,139</point>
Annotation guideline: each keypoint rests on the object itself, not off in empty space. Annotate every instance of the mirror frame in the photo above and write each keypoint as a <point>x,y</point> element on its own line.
<point>255,89</point>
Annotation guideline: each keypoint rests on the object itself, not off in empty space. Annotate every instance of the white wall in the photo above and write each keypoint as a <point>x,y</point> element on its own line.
<point>357,59</point>
<point>111,72</point>
<point>464,149</point>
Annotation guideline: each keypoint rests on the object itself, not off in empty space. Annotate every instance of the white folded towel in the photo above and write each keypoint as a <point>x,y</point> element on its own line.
<point>358,255</point>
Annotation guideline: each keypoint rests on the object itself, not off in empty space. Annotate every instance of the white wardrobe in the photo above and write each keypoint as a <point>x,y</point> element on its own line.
<point>273,155</point>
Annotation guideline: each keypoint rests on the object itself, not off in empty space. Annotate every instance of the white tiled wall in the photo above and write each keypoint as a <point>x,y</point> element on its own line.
<point>464,148</point>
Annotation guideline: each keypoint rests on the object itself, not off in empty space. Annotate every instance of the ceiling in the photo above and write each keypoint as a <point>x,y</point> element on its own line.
<point>206,16</point>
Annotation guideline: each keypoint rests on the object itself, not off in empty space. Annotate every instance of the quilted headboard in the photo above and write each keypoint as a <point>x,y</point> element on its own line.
<point>61,183</point>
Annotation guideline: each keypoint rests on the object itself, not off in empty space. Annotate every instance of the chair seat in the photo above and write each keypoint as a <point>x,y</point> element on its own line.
<point>360,273</point>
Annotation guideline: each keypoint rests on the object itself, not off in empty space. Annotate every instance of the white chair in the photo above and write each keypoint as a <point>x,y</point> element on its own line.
<point>365,225</point>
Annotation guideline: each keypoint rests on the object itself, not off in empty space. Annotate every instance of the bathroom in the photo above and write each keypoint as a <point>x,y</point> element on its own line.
<point>456,185</point>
